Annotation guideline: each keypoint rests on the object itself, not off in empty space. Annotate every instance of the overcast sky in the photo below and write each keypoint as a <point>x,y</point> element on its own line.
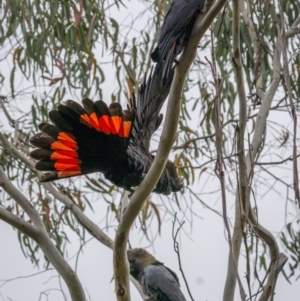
<point>203,245</point>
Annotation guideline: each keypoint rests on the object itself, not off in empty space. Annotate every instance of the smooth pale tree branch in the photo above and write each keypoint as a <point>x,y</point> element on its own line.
<point>63,198</point>
<point>293,109</point>
<point>43,240</point>
<point>81,217</point>
<point>256,142</point>
<point>121,271</point>
<point>252,154</point>
<point>19,223</point>
<point>21,200</point>
<point>266,102</point>
<point>242,196</point>
<point>238,67</point>
<point>257,46</point>
<point>14,152</point>
<point>277,259</point>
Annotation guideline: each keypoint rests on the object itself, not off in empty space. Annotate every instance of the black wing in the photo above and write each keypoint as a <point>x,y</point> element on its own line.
<point>159,283</point>
<point>83,140</point>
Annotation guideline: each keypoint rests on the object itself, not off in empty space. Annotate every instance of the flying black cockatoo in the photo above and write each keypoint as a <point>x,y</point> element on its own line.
<point>98,138</point>
<point>175,32</point>
<point>156,280</point>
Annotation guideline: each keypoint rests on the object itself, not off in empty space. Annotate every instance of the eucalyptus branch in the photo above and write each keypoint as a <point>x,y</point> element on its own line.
<point>146,187</point>
<point>257,45</point>
<point>43,240</point>
<point>88,224</point>
<point>256,144</point>
<point>13,151</point>
<point>5,281</point>
<point>267,100</point>
<point>81,217</point>
<point>243,183</point>
<point>293,109</point>
<point>63,198</point>
<point>238,67</point>
<point>242,197</point>
<point>3,107</point>
<point>277,259</point>
<point>176,249</point>
<point>19,223</point>
<point>121,271</point>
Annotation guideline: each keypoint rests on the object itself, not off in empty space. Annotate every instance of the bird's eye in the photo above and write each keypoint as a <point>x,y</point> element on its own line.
<point>131,260</point>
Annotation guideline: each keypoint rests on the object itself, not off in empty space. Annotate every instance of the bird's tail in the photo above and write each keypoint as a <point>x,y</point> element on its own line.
<point>82,139</point>
<point>164,67</point>
<point>151,97</point>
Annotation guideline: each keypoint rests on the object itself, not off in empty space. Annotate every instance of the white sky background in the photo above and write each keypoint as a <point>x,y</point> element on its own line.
<point>204,249</point>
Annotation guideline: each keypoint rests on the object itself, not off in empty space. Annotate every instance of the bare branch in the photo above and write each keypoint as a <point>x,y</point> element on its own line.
<point>19,223</point>
<point>121,271</point>
<point>82,218</point>
<point>242,197</point>
<point>293,109</point>
<point>277,259</point>
<point>44,241</point>
<point>254,151</point>
<point>257,45</point>
<point>176,249</point>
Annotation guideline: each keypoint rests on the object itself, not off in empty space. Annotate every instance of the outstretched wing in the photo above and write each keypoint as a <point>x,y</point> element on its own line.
<point>151,97</point>
<point>83,139</point>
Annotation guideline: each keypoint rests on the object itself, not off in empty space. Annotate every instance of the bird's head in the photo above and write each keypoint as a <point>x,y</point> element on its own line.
<point>139,259</point>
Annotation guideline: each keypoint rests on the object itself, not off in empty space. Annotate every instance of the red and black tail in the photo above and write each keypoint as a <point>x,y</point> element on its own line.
<point>83,139</point>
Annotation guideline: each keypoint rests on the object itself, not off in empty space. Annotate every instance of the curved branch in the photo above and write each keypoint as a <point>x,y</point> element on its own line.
<point>121,271</point>
<point>261,120</point>
<point>242,196</point>
<point>19,223</point>
<point>82,218</point>
<point>242,199</point>
<point>277,259</point>
<point>43,240</point>
<point>63,198</point>
<point>293,109</point>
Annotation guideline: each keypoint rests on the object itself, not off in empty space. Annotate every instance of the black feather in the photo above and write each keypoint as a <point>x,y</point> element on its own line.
<point>175,32</point>
<point>89,138</point>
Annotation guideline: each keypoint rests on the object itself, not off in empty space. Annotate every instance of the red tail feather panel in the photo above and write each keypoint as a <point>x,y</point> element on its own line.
<point>97,139</point>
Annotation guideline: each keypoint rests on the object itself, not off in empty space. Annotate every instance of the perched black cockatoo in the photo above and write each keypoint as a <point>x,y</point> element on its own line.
<point>98,138</point>
<point>175,32</point>
<point>158,281</point>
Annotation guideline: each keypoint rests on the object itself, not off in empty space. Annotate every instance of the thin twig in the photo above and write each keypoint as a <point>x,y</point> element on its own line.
<point>220,162</point>
<point>176,249</point>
